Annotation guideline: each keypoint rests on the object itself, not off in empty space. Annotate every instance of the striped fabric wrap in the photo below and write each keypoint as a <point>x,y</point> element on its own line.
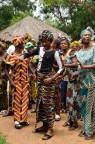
<point>20,90</point>
<point>45,100</point>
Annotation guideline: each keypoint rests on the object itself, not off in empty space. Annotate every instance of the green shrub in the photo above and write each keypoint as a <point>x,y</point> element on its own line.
<point>3,139</point>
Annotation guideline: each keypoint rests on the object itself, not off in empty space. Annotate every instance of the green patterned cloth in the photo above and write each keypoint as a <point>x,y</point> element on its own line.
<point>87,90</point>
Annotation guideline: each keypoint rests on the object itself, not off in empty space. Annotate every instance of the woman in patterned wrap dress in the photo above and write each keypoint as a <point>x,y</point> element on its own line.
<point>45,83</point>
<point>87,84</point>
<point>20,84</point>
<point>72,97</point>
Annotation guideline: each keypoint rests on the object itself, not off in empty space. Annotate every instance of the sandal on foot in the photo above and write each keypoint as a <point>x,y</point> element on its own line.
<point>26,123</point>
<point>7,113</point>
<point>46,137</point>
<point>17,125</point>
<point>82,134</point>
<point>73,128</point>
<point>41,129</point>
<point>2,112</point>
<point>57,118</point>
<point>65,124</point>
<point>88,138</point>
<point>64,111</point>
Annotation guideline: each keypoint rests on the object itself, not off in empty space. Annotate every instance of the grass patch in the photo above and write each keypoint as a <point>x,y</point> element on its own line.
<point>3,139</point>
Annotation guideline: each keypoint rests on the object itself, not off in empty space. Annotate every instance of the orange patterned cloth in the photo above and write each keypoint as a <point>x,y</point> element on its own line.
<point>20,91</point>
<point>18,40</point>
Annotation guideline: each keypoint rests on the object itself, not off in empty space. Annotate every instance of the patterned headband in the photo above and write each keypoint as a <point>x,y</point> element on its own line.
<point>47,34</point>
<point>74,44</point>
<point>87,30</point>
<point>64,39</point>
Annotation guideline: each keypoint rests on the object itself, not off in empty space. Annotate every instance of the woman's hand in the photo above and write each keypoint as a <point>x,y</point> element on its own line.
<point>64,61</point>
<point>21,57</point>
<point>34,76</point>
<point>74,77</point>
<point>81,64</point>
<point>47,80</point>
<point>58,78</point>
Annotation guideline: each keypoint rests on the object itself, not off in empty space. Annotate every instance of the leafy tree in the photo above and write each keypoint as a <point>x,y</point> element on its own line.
<point>71,16</point>
<point>12,11</point>
<point>19,16</point>
<point>23,5</point>
<point>6,14</point>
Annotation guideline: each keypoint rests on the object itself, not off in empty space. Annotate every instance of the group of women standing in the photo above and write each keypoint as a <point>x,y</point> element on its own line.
<point>80,88</point>
<point>75,76</point>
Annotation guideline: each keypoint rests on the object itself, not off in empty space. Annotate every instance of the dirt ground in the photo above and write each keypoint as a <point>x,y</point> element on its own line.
<point>25,136</point>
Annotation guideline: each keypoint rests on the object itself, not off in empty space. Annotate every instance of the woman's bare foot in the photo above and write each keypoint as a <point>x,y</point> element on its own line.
<point>48,135</point>
<point>40,129</point>
<point>66,124</point>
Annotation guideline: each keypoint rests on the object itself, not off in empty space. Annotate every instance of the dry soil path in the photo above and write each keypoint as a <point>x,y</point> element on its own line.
<point>25,136</point>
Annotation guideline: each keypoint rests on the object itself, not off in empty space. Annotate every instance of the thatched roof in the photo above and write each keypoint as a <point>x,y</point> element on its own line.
<point>28,25</point>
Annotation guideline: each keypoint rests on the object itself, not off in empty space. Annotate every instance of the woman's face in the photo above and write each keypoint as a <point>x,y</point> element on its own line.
<point>86,38</point>
<point>46,43</point>
<point>76,47</point>
<point>22,46</point>
<point>53,45</point>
<point>14,42</point>
<point>19,48</point>
<point>64,45</point>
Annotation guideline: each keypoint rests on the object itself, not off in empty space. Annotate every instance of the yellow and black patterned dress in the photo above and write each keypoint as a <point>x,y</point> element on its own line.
<point>3,88</point>
<point>20,90</point>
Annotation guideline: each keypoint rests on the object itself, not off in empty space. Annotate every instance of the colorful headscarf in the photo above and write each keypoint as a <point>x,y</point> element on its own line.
<point>74,44</point>
<point>88,29</point>
<point>18,40</point>
<point>65,39</point>
<point>28,38</point>
<point>29,46</point>
<point>47,34</point>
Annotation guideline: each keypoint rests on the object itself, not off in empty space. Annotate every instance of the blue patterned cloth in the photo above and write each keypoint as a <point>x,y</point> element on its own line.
<point>87,90</point>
